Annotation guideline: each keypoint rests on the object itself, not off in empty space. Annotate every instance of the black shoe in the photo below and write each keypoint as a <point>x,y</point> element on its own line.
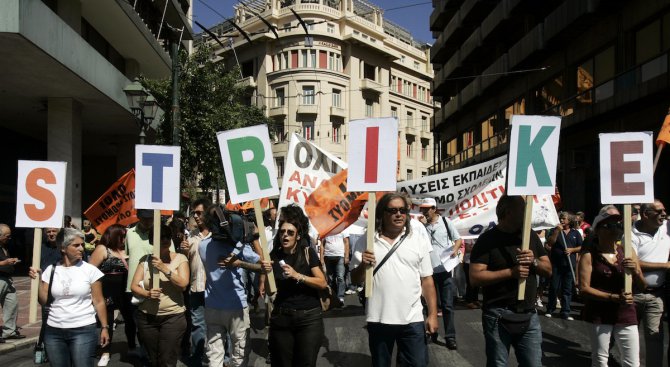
<point>16,336</point>
<point>433,337</point>
<point>451,344</point>
<point>2,340</point>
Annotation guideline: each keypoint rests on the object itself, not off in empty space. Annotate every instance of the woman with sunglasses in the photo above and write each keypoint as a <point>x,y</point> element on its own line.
<point>296,323</point>
<point>161,319</point>
<point>110,257</point>
<point>601,281</point>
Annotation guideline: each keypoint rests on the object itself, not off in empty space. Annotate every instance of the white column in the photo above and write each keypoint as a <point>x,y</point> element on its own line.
<point>64,144</point>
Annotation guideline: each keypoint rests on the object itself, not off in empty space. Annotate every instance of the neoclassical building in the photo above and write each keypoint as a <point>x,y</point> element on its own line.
<point>353,65</point>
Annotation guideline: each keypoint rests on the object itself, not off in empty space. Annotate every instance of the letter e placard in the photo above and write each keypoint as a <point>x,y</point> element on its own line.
<point>626,168</point>
<point>533,155</point>
<point>40,194</point>
<point>373,153</point>
<point>157,170</point>
<point>248,163</point>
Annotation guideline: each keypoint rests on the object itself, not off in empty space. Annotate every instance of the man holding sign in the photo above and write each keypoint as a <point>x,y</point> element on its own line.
<point>497,263</point>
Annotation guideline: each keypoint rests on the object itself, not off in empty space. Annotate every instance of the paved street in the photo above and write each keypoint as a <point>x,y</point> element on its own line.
<point>565,342</point>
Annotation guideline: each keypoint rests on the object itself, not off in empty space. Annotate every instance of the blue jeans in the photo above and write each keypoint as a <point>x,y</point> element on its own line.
<point>445,287</point>
<point>335,270</point>
<point>71,347</point>
<point>411,339</point>
<point>561,279</point>
<point>198,326</point>
<point>527,347</point>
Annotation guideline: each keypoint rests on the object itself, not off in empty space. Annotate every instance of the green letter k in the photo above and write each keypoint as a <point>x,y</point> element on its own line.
<point>530,153</point>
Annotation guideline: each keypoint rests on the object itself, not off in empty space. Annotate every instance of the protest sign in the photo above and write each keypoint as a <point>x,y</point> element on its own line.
<point>157,170</point>
<point>40,202</point>
<point>371,141</point>
<point>116,205</point>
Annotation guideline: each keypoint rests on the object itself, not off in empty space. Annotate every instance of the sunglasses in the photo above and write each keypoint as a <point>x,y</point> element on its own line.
<point>394,211</point>
<point>617,225</point>
<point>289,232</point>
<point>657,211</point>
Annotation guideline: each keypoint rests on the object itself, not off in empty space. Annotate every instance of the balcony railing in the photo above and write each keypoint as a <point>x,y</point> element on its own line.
<point>499,140</point>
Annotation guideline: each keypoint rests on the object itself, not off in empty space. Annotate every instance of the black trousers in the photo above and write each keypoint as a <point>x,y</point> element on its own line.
<point>295,337</point>
<point>161,337</point>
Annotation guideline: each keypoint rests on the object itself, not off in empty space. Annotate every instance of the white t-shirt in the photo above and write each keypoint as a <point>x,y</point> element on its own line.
<point>653,250</point>
<point>334,245</point>
<point>73,305</point>
<point>396,289</point>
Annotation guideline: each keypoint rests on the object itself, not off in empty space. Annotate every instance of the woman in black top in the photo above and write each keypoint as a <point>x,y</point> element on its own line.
<point>296,324</point>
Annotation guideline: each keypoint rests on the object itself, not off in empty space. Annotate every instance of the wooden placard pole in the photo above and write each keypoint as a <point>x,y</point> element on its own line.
<point>627,246</point>
<point>658,155</point>
<point>264,242</point>
<point>35,283</point>
<point>372,209</point>
<point>157,247</point>
<point>525,240</point>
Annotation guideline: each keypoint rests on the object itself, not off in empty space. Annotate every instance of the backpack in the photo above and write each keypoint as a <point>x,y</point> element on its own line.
<point>231,227</point>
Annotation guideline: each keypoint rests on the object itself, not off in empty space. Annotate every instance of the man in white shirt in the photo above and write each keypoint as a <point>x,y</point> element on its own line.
<point>335,255</point>
<point>651,241</point>
<point>394,312</point>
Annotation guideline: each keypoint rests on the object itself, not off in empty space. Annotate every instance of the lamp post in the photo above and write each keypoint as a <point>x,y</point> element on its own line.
<point>142,105</point>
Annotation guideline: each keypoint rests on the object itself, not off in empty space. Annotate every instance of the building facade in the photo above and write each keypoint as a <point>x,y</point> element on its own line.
<point>64,65</point>
<point>355,65</point>
<point>600,65</point>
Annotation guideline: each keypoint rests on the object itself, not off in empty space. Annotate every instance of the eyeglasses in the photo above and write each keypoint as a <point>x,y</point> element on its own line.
<point>394,211</point>
<point>197,213</point>
<point>289,232</point>
<point>615,225</point>
<point>657,211</point>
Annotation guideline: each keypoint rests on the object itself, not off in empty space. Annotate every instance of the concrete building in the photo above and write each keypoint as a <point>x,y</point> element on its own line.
<point>64,65</point>
<point>600,65</point>
<point>355,65</point>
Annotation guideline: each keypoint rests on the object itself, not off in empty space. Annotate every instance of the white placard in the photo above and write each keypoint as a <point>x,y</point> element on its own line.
<point>533,155</point>
<point>626,168</point>
<point>157,177</point>
<point>40,194</point>
<point>248,163</point>
<point>373,154</point>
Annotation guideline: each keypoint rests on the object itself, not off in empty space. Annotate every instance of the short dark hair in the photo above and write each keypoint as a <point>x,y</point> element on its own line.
<point>205,202</point>
<point>504,204</point>
<point>110,238</point>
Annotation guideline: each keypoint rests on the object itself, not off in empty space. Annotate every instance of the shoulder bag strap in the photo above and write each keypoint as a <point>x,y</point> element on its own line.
<point>48,303</point>
<point>391,251</point>
<point>446,226</point>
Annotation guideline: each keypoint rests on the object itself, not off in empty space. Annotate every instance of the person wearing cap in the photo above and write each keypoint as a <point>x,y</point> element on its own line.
<point>651,242</point>
<point>497,263</point>
<point>607,306</point>
<point>446,244</point>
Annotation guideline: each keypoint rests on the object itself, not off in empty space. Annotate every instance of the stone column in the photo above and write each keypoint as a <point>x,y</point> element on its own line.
<point>64,144</point>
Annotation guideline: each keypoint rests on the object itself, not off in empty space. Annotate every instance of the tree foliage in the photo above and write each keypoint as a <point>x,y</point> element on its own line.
<point>210,100</point>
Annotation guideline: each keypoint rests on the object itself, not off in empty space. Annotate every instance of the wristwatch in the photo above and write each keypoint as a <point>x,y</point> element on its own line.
<point>168,274</point>
<point>535,262</point>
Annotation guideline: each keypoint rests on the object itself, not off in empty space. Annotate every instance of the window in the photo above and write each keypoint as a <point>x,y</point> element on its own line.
<point>280,131</point>
<point>280,99</point>
<point>410,174</point>
<point>410,149</point>
<point>369,108</point>
<point>369,71</point>
<point>334,61</point>
<point>410,119</point>
<point>402,59</point>
<point>452,147</point>
<point>337,98</point>
<point>336,133</point>
<point>312,58</point>
<point>416,65</point>
<point>424,123</point>
<point>424,152</point>
<point>331,28</point>
<point>488,132</point>
<point>310,23</point>
<point>308,130</point>
<point>284,60</point>
<point>248,68</point>
<point>287,27</point>
<point>308,95</point>
<point>304,58</point>
<point>394,112</point>
<point>648,42</point>
<point>279,162</point>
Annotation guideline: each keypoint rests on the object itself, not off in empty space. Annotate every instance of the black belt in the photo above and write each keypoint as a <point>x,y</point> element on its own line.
<point>653,290</point>
<point>294,312</point>
<point>513,309</point>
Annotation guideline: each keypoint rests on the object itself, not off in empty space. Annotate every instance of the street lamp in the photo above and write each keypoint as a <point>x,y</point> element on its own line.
<point>142,105</point>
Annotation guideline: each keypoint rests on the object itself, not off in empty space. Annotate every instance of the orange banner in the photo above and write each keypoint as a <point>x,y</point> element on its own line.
<point>664,134</point>
<point>331,208</point>
<point>116,205</point>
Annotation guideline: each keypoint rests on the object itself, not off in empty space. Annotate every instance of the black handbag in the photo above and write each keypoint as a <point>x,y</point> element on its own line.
<point>515,324</point>
<point>40,352</point>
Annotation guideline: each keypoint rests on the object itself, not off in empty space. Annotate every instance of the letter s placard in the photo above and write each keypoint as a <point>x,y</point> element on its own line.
<point>157,177</point>
<point>40,194</point>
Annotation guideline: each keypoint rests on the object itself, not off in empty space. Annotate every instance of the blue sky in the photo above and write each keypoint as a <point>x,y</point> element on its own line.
<point>414,18</point>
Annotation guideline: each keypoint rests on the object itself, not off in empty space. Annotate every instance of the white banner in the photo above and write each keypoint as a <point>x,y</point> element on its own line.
<point>469,196</point>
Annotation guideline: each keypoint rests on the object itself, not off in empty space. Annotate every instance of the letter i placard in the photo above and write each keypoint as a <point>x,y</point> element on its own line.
<point>627,177</point>
<point>533,158</point>
<point>40,202</point>
<point>250,171</point>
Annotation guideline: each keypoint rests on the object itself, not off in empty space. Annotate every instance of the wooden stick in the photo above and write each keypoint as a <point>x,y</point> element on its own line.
<point>658,155</point>
<point>372,208</point>
<point>157,247</point>
<point>525,240</point>
<point>264,242</point>
<point>627,246</point>
<point>35,283</point>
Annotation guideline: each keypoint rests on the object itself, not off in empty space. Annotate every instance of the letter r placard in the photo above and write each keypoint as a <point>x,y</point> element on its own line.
<point>40,194</point>
<point>626,168</point>
<point>533,155</point>
<point>248,163</point>
<point>157,174</point>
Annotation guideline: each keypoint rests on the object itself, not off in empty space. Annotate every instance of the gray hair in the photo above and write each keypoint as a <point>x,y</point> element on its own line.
<point>69,235</point>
